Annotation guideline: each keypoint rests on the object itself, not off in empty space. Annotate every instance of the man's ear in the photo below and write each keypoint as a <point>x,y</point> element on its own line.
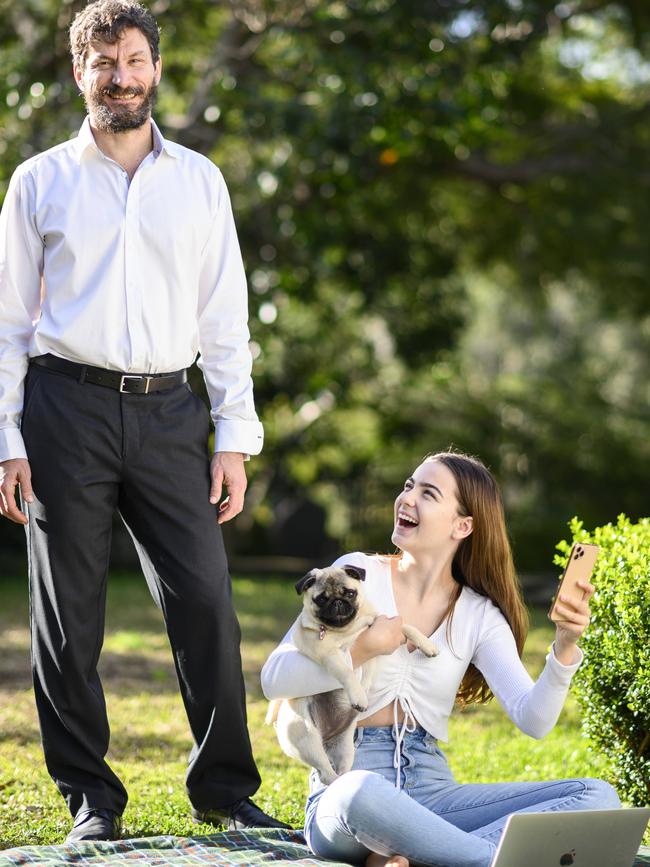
<point>158,71</point>
<point>463,527</point>
<point>78,73</point>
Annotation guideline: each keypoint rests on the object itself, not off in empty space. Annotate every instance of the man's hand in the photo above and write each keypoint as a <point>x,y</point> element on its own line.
<point>15,472</point>
<point>227,468</point>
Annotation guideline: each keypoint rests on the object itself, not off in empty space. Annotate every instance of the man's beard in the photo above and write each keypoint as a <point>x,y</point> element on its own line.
<point>121,118</point>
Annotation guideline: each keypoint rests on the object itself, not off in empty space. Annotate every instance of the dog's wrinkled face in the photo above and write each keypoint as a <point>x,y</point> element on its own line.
<point>332,595</point>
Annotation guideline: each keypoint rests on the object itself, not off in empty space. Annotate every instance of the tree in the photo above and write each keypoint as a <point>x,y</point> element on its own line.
<point>380,156</point>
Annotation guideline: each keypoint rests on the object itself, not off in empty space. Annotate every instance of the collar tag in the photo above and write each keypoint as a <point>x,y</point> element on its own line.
<point>322,629</point>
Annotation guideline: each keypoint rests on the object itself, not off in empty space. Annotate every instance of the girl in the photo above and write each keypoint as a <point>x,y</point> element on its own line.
<point>454,578</point>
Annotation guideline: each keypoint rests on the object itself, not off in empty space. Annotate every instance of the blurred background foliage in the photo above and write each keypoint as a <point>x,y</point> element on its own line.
<point>443,208</point>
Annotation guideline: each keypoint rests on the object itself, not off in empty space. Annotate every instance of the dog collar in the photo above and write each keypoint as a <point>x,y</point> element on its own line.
<point>322,629</point>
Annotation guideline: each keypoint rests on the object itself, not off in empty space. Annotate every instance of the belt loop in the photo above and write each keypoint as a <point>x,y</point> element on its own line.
<point>82,375</point>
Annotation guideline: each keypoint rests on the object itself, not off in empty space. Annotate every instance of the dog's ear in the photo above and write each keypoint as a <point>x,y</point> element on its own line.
<point>306,582</point>
<point>355,572</point>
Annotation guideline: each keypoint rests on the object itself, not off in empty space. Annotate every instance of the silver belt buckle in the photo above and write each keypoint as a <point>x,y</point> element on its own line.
<point>139,378</point>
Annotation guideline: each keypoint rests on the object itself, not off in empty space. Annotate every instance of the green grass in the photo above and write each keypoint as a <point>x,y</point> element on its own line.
<point>150,737</point>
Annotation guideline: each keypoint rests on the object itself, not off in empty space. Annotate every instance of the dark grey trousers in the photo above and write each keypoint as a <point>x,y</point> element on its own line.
<point>93,450</point>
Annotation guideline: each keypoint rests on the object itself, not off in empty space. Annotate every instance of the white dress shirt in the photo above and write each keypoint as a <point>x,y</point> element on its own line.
<point>137,277</point>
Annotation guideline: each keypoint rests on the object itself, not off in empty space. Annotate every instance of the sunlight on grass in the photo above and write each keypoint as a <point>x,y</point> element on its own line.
<point>123,641</point>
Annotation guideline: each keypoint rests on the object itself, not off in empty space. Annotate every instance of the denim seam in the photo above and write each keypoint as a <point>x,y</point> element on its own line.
<point>501,800</point>
<point>561,805</point>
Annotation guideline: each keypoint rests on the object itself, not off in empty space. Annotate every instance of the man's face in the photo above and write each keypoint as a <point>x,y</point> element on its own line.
<point>119,82</point>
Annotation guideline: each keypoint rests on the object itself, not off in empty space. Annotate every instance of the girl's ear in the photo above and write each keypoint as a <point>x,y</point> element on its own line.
<point>463,527</point>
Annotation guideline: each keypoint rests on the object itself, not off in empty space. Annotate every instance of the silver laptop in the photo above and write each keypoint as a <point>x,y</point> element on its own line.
<point>580,838</point>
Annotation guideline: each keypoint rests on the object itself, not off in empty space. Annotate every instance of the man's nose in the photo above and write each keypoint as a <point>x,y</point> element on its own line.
<point>120,73</point>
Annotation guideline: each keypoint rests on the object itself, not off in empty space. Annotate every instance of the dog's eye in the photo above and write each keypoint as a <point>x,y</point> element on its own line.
<point>320,598</point>
<point>351,593</point>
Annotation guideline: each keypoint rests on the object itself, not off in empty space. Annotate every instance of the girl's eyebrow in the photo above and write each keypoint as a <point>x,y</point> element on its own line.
<point>426,485</point>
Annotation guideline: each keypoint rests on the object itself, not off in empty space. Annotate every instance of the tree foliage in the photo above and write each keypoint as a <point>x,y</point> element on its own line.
<point>442,210</point>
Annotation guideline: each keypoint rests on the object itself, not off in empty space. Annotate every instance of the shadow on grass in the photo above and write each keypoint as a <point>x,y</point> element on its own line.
<point>122,673</point>
<point>126,746</point>
<point>131,746</point>
<point>20,735</point>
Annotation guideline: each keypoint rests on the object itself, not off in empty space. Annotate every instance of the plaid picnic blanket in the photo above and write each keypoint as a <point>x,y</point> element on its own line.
<point>241,848</point>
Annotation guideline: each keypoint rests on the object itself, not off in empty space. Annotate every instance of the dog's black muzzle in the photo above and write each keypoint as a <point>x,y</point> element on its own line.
<point>336,613</point>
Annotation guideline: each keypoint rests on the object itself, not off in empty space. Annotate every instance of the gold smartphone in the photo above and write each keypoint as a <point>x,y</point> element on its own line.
<point>578,568</point>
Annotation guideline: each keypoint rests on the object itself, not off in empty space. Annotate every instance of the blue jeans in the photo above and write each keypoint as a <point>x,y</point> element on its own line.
<point>432,819</point>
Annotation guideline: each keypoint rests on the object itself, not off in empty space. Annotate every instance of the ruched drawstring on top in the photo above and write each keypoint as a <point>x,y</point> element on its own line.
<point>408,724</point>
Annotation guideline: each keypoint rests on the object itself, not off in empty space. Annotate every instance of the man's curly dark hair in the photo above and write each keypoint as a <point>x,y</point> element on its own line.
<point>105,20</point>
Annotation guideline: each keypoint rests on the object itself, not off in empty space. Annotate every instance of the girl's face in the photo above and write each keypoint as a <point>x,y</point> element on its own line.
<point>427,512</point>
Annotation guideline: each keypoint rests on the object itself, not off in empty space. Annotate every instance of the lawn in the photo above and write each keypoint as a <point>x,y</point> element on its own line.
<point>150,739</point>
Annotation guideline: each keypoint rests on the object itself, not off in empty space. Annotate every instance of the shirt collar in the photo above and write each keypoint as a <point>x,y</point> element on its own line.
<point>85,140</point>
<point>160,143</point>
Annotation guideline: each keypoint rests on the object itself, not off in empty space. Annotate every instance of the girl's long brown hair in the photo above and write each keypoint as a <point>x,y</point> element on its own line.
<point>483,560</point>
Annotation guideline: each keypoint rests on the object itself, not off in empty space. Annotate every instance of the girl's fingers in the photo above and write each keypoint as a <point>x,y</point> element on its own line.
<point>571,617</point>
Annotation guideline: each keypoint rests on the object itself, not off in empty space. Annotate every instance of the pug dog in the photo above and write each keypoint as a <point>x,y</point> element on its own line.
<point>318,730</point>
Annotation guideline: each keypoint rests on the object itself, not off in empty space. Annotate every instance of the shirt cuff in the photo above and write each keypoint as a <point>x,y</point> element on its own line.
<point>567,670</point>
<point>235,435</point>
<point>12,445</point>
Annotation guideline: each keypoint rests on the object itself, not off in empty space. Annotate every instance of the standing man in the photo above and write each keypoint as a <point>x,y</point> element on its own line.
<point>119,261</point>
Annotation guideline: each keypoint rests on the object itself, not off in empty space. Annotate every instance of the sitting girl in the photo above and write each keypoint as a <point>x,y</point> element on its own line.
<point>454,579</point>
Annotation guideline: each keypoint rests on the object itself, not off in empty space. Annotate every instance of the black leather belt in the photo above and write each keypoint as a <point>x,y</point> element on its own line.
<point>126,383</point>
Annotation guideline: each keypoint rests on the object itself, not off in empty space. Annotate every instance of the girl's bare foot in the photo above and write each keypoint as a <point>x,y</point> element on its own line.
<point>374,860</point>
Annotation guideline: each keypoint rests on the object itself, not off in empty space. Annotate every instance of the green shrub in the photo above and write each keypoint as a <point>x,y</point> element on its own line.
<point>613,683</point>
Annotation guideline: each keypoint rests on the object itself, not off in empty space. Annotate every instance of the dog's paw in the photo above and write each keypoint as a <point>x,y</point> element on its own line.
<point>429,649</point>
<point>326,775</point>
<point>420,640</point>
<point>358,697</point>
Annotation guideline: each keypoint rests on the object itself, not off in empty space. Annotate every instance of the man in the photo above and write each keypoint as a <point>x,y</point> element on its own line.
<point>118,262</point>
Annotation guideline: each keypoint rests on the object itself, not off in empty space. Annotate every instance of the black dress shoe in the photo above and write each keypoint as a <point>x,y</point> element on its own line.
<point>242,814</point>
<point>94,825</point>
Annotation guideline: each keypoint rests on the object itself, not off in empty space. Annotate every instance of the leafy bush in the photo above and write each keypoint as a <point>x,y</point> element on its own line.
<point>613,683</point>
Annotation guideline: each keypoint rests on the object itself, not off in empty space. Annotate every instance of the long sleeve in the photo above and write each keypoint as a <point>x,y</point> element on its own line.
<point>533,706</point>
<point>21,266</point>
<point>225,358</point>
<point>287,673</point>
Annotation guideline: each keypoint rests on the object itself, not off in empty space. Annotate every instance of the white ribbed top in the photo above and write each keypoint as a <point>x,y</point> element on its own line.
<point>479,634</point>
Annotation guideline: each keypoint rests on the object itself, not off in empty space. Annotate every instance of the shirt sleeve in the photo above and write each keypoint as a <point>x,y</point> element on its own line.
<point>225,358</point>
<point>287,673</point>
<point>533,706</point>
<point>21,267</point>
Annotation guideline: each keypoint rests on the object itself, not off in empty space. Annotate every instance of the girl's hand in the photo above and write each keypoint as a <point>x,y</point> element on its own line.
<point>575,619</point>
<point>381,638</point>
